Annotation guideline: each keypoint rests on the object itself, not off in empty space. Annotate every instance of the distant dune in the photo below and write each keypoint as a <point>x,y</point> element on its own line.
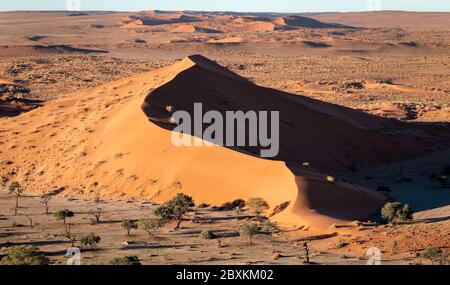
<point>388,19</point>
<point>45,49</point>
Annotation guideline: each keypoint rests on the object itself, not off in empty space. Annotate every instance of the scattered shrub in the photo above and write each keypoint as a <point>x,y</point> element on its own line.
<point>90,240</point>
<point>45,199</point>
<point>63,215</point>
<point>257,205</point>
<point>129,225</point>
<point>16,189</point>
<point>268,227</point>
<point>175,209</point>
<point>435,255</point>
<point>249,231</point>
<point>126,260</point>
<point>394,210</point>
<point>71,236</point>
<point>152,226</point>
<point>228,206</point>
<point>97,214</point>
<point>24,255</point>
<point>207,234</point>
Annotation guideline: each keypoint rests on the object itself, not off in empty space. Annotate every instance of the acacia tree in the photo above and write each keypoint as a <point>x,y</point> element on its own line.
<point>71,236</point>
<point>249,231</point>
<point>257,205</point>
<point>24,255</point>
<point>90,240</point>
<point>97,213</point>
<point>175,209</point>
<point>16,189</point>
<point>393,211</point>
<point>152,226</point>
<point>45,199</point>
<point>129,225</point>
<point>63,215</point>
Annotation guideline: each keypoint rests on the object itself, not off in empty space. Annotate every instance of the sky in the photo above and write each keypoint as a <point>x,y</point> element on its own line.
<point>232,5</point>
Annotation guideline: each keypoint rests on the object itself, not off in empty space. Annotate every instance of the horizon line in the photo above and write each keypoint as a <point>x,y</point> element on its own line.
<point>225,11</point>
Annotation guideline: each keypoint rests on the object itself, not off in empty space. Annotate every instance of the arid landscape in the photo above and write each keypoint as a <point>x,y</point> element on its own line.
<point>86,105</point>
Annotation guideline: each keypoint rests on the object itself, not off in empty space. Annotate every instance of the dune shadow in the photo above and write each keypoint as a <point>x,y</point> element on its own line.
<point>35,243</point>
<point>332,138</point>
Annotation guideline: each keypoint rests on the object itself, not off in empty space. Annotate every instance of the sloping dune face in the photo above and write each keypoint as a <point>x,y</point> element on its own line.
<point>116,139</point>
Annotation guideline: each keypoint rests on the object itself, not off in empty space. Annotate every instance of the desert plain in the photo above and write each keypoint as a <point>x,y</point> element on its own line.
<point>364,102</point>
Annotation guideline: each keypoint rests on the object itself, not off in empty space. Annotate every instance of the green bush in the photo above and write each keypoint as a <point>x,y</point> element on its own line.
<point>228,206</point>
<point>129,225</point>
<point>90,240</point>
<point>435,255</point>
<point>126,260</point>
<point>63,215</point>
<point>393,211</point>
<point>24,255</point>
<point>249,231</point>
<point>151,226</point>
<point>175,209</point>
<point>257,205</point>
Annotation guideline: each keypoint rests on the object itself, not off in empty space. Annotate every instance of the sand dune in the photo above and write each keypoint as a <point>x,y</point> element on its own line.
<point>45,49</point>
<point>194,29</point>
<point>306,22</point>
<point>100,139</point>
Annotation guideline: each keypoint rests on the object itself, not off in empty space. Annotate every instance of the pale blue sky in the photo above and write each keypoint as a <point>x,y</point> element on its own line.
<point>230,5</point>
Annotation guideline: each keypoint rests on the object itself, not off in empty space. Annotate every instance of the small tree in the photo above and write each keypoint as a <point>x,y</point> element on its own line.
<point>90,240</point>
<point>71,236</point>
<point>152,226</point>
<point>435,255</point>
<point>98,197</point>
<point>175,209</point>
<point>306,252</point>
<point>45,199</point>
<point>16,189</point>
<point>129,225</point>
<point>63,215</point>
<point>24,255</point>
<point>4,180</point>
<point>394,210</point>
<point>394,247</point>
<point>249,231</point>
<point>257,205</point>
<point>126,260</point>
<point>97,213</point>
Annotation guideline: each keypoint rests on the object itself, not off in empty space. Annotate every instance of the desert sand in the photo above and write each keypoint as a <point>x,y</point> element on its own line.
<point>83,107</point>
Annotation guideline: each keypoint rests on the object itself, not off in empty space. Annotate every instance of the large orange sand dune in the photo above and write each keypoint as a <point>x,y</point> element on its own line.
<point>101,139</point>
